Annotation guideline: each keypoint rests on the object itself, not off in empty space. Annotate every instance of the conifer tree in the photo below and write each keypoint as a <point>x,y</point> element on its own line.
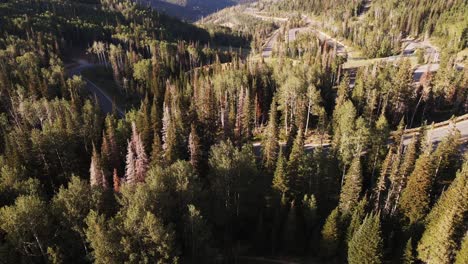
<point>270,141</point>
<point>408,255</point>
<point>415,199</point>
<point>446,222</point>
<point>310,211</point>
<point>194,147</point>
<point>356,220</point>
<point>447,157</point>
<point>462,254</point>
<point>366,246</point>
<point>281,182</point>
<point>352,187</point>
<point>331,234</point>
<point>137,161</point>
<point>400,177</point>
<point>247,116</point>
<point>294,165</point>
<point>157,152</point>
<point>96,173</point>
<point>113,150</point>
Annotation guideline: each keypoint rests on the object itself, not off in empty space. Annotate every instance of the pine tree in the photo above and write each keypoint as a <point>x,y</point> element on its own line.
<point>462,255</point>
<point>270,141</point>
<point>247,116</point>
<point>446,222</point>
<point>408,255</point>
<point>366,246</point>
<point>400,177</point>
<point>281,179</point>
<point>352,188</point>
<point>356,220</point>
<point>447,157</point>
<point>157,152</point>
<point>194,147</point>
<point>310,211</point>
<point>97,177</point>
<point>381,185</point>
<point>415,199</point>
<point>141,163</point>
<point>294,164</point>
<point>331,235</point>
<point>130,166</point>
<point>113,152</point>
<point>137,161</point>
<point>169,137</point>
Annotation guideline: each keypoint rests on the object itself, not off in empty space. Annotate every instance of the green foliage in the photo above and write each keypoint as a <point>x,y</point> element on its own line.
<point>27,224</point>
<point>331,235</point>
<point>415,198</point>
<point>462,254</point>
<point>408,254</point>
<point>445,223</point>
<point>352,187</point>
<point>367,244</point>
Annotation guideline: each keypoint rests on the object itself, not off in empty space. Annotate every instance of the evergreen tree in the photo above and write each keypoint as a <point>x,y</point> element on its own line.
<point>194,147</point>
<point>270,139</point>
<point>137,161</point>
<point>294,165</point>
<point>281,181</point>
<point>352,187</point>
<point>366,246</point>
<point>462,254</point>
<point>356,220</point>
<point>157,152</point>
<point>96,172</point>
<point>415,199</point>
<point>446,223</point>
<point>331,234</point>
<point>408,255</point>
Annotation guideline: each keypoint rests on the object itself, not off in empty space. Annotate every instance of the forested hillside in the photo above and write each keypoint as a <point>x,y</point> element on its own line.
<point>128,136</point>
<point>378,26</point>
<point>192,10</point>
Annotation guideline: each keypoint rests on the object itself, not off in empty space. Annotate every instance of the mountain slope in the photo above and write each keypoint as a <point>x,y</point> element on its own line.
<point>192,10</point>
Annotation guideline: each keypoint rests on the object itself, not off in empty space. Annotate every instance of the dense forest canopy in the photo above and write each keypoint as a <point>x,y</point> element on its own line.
<point>128,136</point>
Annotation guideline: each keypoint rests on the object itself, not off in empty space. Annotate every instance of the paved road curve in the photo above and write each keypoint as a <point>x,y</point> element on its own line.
<point>104,100</point>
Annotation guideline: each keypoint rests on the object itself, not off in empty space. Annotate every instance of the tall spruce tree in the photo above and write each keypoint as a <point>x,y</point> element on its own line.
<point>352,187</point>
<point>281,181</point>
<point>137,161</point>
<point>270,141</point>
<point>194,147</point>
<point>462,254</point>
<point>366,246</point>
<point>331,234</point>
<point>446,223</point>
<point>408,254</point>
<point>415,199</point>
<point>96,172</point>
<point>294,165</point>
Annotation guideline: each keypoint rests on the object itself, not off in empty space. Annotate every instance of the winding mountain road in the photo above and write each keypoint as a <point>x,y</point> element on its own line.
<point>104,100</point>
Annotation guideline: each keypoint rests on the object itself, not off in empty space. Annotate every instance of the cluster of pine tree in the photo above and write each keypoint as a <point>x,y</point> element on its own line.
<point>377,27</point>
